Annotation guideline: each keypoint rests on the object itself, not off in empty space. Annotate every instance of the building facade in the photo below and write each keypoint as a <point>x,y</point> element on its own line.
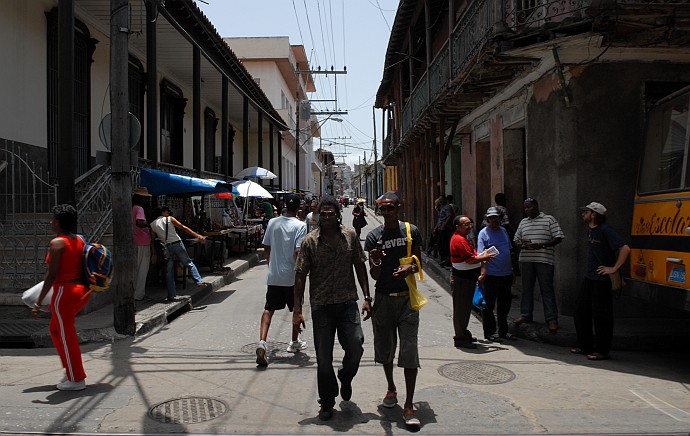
<point>201,113</point>
<point>542,99</point>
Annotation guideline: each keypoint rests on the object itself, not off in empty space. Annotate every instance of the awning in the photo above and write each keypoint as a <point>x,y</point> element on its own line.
<point>162,183</point>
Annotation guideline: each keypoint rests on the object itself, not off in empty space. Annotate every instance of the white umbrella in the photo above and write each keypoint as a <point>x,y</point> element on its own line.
<point>247,188</point>
<point>255,173</point>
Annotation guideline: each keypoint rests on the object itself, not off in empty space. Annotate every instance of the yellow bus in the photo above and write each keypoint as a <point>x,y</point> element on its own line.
<point>660,236</point>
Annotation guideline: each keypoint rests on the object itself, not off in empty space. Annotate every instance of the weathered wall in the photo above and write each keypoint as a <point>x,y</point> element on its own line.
<point>588,151</point>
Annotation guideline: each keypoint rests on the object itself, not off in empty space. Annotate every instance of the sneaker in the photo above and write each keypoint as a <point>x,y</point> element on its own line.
<point>72,386</point>
<point>296,346</point>
<point>63,379</point>
<point>261,350</point>
<point>411,418</point>
<point>391,399</point>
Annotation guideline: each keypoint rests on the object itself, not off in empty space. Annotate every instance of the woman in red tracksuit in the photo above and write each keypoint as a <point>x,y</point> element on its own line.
<point>64,275</point>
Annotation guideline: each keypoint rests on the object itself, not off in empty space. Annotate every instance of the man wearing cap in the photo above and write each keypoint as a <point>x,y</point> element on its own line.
<point>143,239</point>
<point>499,277</point>
<point>394,317</point>
<point>282,241</point>
<point>595,305</point>
<point>536,236</point>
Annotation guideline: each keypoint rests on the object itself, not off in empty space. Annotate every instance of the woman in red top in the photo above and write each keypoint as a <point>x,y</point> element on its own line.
<point>64,275</point>
<point>467,267</point>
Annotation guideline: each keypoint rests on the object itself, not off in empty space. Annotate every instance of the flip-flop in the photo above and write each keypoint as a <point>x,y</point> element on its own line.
<point>598,356</point>
<point>578,351</point>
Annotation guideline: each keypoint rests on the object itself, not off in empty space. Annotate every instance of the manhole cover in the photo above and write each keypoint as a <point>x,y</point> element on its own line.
<point>273,347</point>
<point>189,410</point>
<point>476,373</point>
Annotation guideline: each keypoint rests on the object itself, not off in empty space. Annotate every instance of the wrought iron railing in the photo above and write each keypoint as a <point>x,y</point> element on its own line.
<point>26,198</point>
<point>471,32</point>
<point>523,14</point>
<point>94,202</point>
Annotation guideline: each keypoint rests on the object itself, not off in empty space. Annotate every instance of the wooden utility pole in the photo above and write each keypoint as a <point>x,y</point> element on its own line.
<point>121,183</point>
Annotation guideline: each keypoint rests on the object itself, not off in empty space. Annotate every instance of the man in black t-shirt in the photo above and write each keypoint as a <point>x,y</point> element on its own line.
<point>595,304</point>
<point>392,314</point>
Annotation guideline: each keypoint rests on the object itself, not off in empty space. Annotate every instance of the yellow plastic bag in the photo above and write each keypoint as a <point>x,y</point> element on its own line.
<point>417,299</point>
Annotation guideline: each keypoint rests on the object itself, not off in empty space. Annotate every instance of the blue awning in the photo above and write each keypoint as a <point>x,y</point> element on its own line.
<point>162,183</point>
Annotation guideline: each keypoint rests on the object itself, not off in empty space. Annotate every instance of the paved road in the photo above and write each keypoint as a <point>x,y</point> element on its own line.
<point>523,387</point>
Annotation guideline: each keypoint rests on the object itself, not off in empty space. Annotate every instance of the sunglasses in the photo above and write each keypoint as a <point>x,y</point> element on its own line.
<point>327,214</point>
<point>386,208</point>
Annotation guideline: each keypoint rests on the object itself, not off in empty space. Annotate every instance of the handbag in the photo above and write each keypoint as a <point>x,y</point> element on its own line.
<point>478,300</point>
<point>417,299</point>
<point>617,281</point>
<point>30,296</point>
<point>162,245</point>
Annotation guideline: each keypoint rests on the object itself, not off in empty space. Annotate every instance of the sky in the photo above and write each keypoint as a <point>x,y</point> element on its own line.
<point>351,34</point>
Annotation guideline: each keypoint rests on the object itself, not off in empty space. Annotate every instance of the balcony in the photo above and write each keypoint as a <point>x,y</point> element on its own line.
<point>466,71</point>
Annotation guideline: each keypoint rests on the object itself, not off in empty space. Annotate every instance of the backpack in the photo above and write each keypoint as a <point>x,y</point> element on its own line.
<point>98,266</point>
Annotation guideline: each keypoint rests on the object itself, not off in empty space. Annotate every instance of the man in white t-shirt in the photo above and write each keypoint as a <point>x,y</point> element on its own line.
<point>313,216</point>
<point>282,240</point>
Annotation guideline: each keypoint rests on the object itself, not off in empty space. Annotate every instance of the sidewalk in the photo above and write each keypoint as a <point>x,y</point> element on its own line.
<point>154,312</point>
<point>631,333</point>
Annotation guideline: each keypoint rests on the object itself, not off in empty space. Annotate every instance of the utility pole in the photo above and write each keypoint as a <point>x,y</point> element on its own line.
<point>121,182</point>
<point>299,72</point>
<point>376,177</point>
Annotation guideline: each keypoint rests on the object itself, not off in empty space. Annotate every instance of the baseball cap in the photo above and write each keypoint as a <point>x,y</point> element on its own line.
<point>292,201</point>
<point>492,211</point>
<point>595,207</point>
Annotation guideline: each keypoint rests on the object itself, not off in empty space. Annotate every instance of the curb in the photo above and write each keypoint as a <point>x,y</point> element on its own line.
<point>97,326</point>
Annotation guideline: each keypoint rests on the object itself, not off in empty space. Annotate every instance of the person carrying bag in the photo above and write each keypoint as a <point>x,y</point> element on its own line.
<point>417,299</point>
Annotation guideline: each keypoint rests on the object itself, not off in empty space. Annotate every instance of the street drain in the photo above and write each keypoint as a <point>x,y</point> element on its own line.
<point>188,410</point>
<point>476,373</point>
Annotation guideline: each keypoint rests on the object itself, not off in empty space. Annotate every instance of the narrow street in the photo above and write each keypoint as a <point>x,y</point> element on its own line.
<point>521,387</point>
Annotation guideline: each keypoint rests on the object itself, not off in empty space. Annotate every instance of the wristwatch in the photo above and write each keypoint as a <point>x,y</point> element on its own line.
<point>368,298</point>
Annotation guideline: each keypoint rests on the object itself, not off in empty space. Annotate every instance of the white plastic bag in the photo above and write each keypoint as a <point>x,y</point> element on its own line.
<point>30,296</point>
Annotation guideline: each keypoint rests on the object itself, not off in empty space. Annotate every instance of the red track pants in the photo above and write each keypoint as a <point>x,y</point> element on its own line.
<point>68,300</point>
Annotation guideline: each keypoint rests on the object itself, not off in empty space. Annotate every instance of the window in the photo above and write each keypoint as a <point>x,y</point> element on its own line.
<point>283,100</point>
<point>210,126</point>
<point>665,161</point>
<point>172,120</point>
<point>84,47</point>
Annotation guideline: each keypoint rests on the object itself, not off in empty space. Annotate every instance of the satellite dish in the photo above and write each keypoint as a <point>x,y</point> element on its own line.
<point>105,128</point>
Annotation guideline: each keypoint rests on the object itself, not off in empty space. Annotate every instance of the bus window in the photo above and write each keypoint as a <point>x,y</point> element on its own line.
<point>659,243</point>
<point>665,163</point>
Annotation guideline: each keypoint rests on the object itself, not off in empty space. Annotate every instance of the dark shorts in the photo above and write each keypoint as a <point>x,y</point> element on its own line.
<point>393,317</point>
<point>277,297</point>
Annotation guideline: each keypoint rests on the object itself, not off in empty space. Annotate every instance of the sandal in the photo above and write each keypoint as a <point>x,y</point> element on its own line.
<point>494,338</point>
<point>410,418</point>
<point>598,356</point>
<point>509,336</point>
<point>391,399</point>
<point>578,351</point>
